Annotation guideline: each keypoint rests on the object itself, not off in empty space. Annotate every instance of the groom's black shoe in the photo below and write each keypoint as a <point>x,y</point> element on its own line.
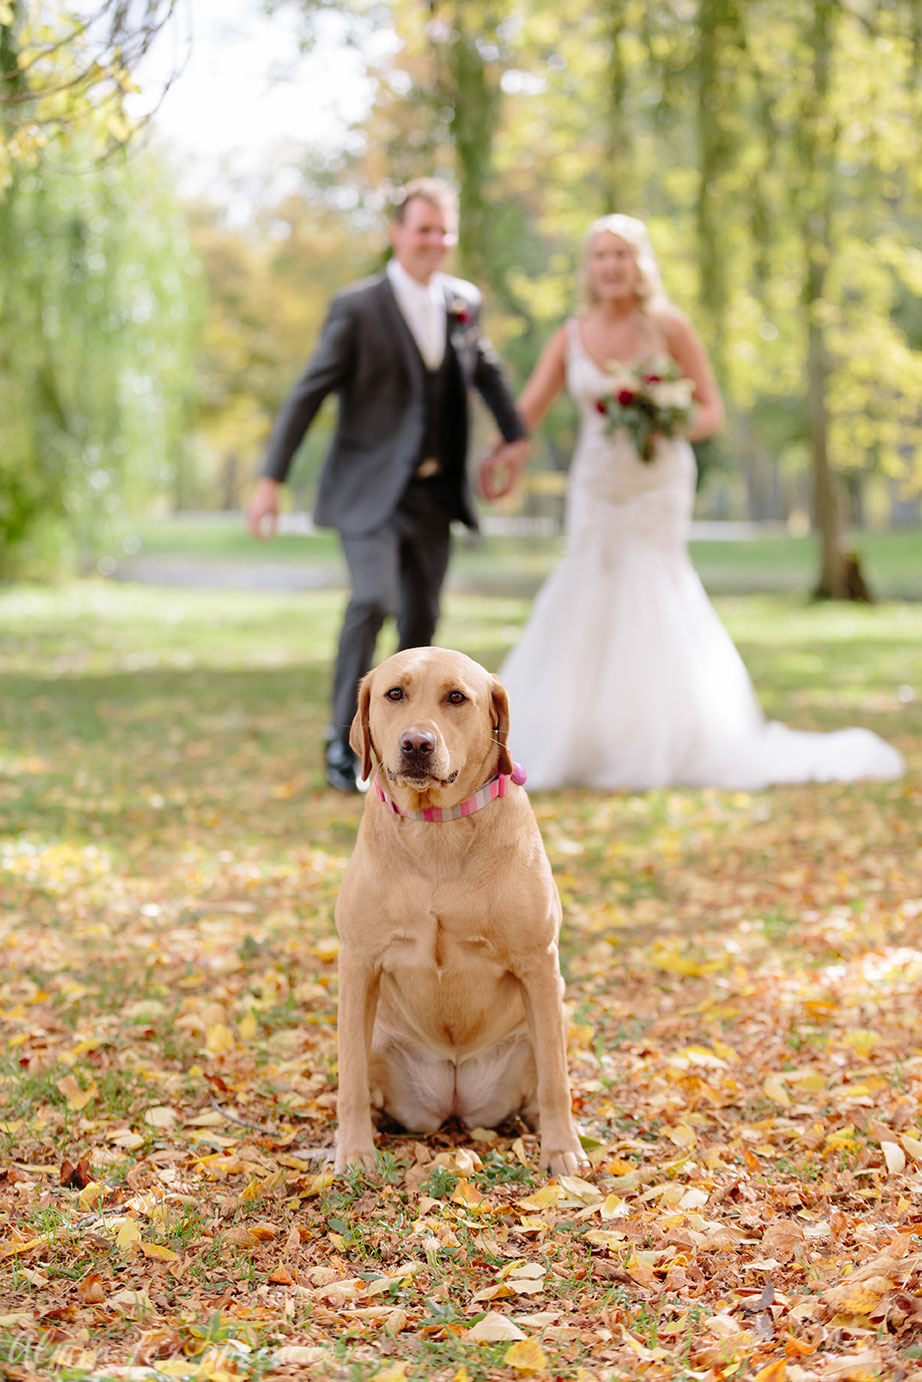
<point>341,766</point>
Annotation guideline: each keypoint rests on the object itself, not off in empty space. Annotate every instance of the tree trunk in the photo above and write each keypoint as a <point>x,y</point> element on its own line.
<point>840,575</point>
<point>827,511</point>
<point>719,36</point>
<point>616,183</point>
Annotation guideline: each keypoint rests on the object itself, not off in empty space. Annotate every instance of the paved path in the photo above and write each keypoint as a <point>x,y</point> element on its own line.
<point>227,575</point>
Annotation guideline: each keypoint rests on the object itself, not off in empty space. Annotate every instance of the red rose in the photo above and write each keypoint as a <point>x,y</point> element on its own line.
<point>653,379</point>
<point>600,406</point>
<point>626,397</point>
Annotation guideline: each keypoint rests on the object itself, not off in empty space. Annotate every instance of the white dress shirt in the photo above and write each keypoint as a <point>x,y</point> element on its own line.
<point>422,306</point>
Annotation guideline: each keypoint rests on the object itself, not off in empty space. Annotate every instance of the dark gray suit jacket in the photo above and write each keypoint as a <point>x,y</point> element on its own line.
<point>367,356</point>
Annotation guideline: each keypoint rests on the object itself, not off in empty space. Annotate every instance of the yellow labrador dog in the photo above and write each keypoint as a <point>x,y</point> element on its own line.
<point>450,994</point>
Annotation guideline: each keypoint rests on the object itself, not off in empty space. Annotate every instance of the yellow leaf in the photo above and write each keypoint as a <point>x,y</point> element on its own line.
<point>693,1199</point>
<point>669,957</point>
<point>813,1084</point>
<point>395,1322</point>
<point>326,949</point>
<point>76,1097</point>
<point>619,1166</point>
<point>393,1372</point>
<point>578,1189</point>
<point>493,1328</point>
<point>128,1234</point>
<point>158,1253</point>
<point>264,1233</point>
<point>219,1039</point>
<point>6,15</point>
<point>895,1157</point>
<point>842,1137</point>
<point>548,1195</point>
<point>500,1292</point>
<point>861,1040</point>
<point>322,1181</point>
<point>774,1087</point>
<point>772,1372</point>
<point>911,1146</point>
<point>461,1375</point>
<point>614,1207</point>
<point>27,1244</point>
<point>90,1194</point>
<point>526,1356</point>
<point>161,1116</point>
<point>464,1161</point>
<point>253,1191</point>
<point>248,1027</point>
<point>682,1135</point>
<point>519,1152</point>
<point>467,1195</point>
<point>853,1298</point>
<point>642,1274</point>
<point>603,1239</point>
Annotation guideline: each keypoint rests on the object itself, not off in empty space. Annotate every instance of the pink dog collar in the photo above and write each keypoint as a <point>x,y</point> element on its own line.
<point>496,787</point>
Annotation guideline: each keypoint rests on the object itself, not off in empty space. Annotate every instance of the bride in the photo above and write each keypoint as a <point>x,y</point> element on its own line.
<point>625,677</point>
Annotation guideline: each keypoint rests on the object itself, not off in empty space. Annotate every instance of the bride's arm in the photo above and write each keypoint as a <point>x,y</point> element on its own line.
<point>548,379</point>
<point>687,349</point>
<point>500,470</point>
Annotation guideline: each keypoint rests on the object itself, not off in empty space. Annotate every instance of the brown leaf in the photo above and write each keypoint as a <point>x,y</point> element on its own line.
<point>607,1270</point>
<point>76,1177</point>
<point>91,1290</point>
<point>764,1301</point>
<point>781,1239</point>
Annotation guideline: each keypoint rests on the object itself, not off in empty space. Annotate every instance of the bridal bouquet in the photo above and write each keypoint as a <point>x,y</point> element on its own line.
<point>648,400</point>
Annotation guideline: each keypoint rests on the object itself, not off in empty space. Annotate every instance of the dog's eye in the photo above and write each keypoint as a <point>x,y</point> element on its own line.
<point>395,693</point>
<point>456,698</point>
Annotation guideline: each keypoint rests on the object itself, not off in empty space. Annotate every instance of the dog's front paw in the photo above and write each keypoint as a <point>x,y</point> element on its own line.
<point>564,1163</point>
<point>355,1158</point>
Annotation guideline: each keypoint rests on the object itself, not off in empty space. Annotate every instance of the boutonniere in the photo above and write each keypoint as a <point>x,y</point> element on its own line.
<point>460,312</point>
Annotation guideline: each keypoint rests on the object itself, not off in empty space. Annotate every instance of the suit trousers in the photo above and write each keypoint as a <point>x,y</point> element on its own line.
<point>398,570</point>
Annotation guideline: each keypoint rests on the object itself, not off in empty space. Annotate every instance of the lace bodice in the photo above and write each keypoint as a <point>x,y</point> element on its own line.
<point>608,471</point>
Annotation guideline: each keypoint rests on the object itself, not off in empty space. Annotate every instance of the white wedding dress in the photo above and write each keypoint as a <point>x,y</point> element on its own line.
<point>625,677</point>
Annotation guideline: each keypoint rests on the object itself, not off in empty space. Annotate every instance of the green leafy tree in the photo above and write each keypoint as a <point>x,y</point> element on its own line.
<point>97,285</point>
<point>98,318</point>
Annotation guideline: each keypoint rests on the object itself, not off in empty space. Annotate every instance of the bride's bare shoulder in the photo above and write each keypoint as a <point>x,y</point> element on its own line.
<point>672,324</point>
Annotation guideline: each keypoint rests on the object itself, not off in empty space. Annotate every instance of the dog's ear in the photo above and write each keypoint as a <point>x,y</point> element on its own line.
<point>360,733</point>
<point>501,725</point>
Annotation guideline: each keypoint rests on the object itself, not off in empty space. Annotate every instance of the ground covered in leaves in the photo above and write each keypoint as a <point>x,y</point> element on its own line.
<point>744,979</point>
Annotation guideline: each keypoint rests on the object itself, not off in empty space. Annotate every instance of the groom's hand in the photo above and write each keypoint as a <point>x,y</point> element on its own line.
<point>262,515</point>
<point>500,468</point>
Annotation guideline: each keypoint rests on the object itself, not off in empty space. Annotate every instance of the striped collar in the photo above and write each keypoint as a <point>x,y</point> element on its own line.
<point>496,787</point>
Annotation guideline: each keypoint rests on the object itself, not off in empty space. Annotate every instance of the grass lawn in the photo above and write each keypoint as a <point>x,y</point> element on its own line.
<point>744,976</point>
<point>769,564</point>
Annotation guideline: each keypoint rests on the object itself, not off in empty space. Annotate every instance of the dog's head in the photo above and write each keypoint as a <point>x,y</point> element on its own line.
<point>436,722</point>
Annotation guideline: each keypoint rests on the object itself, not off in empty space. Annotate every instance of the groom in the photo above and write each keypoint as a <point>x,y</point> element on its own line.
<point>401,351</point>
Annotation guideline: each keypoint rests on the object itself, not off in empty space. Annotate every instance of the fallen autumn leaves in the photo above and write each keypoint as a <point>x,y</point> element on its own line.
<point>744,978</point>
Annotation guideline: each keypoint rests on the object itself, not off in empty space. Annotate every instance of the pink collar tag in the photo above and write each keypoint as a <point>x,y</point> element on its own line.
<point>436,815</point>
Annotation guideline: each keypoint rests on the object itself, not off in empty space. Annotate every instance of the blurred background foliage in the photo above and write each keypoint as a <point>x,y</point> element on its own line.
<point>772,146</point>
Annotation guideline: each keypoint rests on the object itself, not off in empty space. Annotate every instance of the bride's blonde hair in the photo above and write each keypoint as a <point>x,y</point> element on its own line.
<point>650,290</point>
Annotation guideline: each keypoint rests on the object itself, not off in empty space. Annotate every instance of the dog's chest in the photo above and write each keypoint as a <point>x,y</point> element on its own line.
<point>438,942</point>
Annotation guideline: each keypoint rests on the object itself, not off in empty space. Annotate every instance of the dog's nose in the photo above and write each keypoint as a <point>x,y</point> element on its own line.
<point>417,743</point>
